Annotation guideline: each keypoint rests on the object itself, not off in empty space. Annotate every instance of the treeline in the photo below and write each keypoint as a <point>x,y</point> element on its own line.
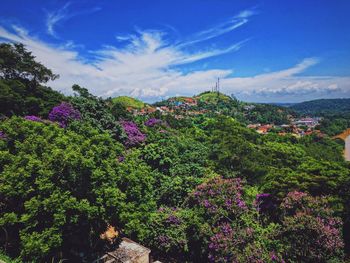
<point>198,189</point>
<point>323,106</point>
<point>21,79</point>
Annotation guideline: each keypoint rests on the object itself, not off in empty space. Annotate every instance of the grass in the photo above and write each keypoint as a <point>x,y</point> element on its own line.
<point>129,102</point>
<point>213,97</point>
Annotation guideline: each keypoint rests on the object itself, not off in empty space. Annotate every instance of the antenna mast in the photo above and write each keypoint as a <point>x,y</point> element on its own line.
<point>218,85</point>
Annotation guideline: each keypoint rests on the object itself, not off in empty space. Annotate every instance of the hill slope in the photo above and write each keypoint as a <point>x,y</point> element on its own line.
<point>129,102</point>
<point>213,97</point>
<point>323,106</point>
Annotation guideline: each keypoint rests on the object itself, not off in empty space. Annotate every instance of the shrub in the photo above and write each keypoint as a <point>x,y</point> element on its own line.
<point>33,118</point>
<point>309,230</point>
<point>134,135</point>
<point>63,114</point>
<point>58,190</point>
<point>152,122</point>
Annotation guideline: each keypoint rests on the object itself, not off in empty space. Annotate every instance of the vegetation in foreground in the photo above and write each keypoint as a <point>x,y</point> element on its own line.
<point>198,189</point>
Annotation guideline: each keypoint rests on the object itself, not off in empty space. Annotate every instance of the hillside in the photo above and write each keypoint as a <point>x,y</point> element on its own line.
<point>189,180</point>
<point>213,97</point>
<point>335,113</point>
<point>322,106</point>
<point>129,102</point>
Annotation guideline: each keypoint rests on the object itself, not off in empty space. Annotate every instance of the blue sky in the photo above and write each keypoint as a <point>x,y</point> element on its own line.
<point>264,51</point>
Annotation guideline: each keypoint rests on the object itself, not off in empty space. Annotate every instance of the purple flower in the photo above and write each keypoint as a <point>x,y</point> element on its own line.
<point>121,159</point>
<point>152,122</point>
<point>221,243</point>
<point>228,203</point>
<point>63,114</point>
<point>206,204</point>
<point>226,229</point>
<point>263,195</point>
<point>2,135</point>
<point>211,192</point>
<point>241,203</point>
<point>273,257</point>
<point>33,118</point>
<point>172,219</point>
<point>134,135</point>
<point>213,246</point>
<point>161,209</point>
<point>220,194</point>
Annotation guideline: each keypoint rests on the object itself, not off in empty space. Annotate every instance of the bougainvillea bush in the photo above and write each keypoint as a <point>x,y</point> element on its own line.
<point>310,232</point>
<point>134,135</point>
<point>228,229</point>
<point>33,118</point>
<point>236,234</point>
<point>174,232</point>
<point>2,135</point>
<point>152,122</point>
<point>63,114</point>
<point>221,198</point>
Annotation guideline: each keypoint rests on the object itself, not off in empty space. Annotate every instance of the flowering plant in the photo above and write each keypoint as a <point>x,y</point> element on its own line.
<point>2,135</point>
<point>33,118</point>
<point>63,114</point>
<point>221,197</point>
<point>233,242</point>
<point>134,135</point>
<point>152,122</point>
<point>169,230</point>
<point>308,224</point>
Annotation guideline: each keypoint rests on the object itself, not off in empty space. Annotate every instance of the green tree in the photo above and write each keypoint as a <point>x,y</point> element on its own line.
<point>17,63</point>
<point>96,111</point>
<point>21,79</point>
<point>58,189</point>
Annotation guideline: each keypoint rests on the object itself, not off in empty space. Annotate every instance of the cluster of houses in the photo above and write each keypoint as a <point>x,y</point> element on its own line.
<point>307,122</point>
<point>175,106</point>
<point>183,103</point>
<point>186,106</point>
<point>297,127</point>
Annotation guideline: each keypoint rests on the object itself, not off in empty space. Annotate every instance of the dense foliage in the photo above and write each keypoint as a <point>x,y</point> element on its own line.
<point>315,107</point>
<point>21,83</point>
<point>201,188</point>
<point>58,188</point>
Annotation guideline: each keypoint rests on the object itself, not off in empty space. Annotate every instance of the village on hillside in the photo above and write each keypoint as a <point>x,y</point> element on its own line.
<point>182,107</point>
<point>297,127</point>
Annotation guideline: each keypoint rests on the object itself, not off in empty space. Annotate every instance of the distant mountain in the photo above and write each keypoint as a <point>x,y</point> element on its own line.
<point>282,104</point>
<point>323,106</point>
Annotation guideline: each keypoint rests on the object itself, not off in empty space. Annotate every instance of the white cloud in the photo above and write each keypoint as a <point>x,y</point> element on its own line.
<point>53,18</point>
<point>147,67</point>
<point>217,30</point>
<point>288,85</point>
